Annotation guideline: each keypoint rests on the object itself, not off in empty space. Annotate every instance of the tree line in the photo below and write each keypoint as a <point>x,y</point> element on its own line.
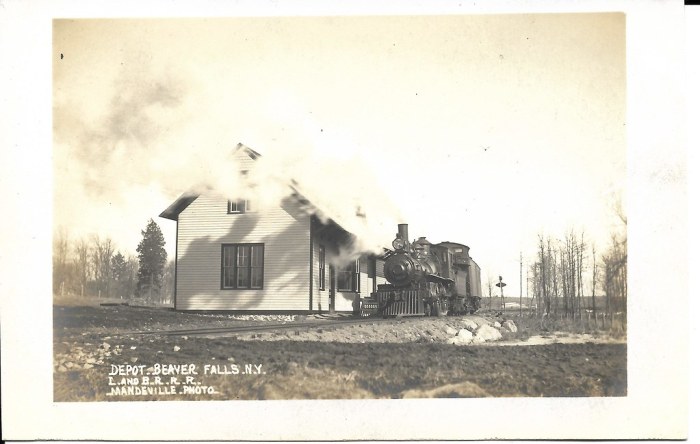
<point>91,266</point>
<point>568,275</point>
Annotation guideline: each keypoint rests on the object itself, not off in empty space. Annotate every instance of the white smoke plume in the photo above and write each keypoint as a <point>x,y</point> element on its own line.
<point>162,134</point>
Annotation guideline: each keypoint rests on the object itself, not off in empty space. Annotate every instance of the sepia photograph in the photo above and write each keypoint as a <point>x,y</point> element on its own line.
<point>385,215</point>
<point>282,208</point>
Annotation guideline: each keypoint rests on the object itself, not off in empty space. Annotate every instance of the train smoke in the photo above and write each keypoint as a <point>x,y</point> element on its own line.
<point>161,134</point>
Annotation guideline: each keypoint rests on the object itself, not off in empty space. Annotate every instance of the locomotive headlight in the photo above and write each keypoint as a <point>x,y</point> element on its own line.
<point>398,244</point>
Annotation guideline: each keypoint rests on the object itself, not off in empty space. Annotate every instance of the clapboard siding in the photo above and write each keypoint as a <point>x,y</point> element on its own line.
<point>205,225</point>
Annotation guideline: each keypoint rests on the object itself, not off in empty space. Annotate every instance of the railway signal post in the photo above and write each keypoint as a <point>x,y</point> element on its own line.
<point>501,284</point>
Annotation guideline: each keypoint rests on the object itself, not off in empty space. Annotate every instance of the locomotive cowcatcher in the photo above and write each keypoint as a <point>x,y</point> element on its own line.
<point>428,279</point>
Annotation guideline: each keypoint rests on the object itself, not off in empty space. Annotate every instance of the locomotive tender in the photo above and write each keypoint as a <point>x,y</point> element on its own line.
<point>428,279</point>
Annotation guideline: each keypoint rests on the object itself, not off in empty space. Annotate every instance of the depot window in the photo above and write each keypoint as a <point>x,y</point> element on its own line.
<point>321,267</point>
<point>349,277</point>
<point>239,206</point>
<point>242,266</point>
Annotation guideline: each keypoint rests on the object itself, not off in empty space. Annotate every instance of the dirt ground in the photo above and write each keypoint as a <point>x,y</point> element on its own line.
<point>99,356</point>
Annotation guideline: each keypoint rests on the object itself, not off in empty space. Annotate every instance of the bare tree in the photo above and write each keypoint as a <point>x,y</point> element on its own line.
<point>571,259</point>
<point>83,264</point>
<point>579,269</point>
<point>563,271</point>
<point>558,274</point>
<point>615,268</point>
<point>544,294</point>
<point>546,285</point>
<point>615,272</point>
<point>489,286</point>
<point>594,282</point>
<point>102,258</point>
<point>168,288</point>
<point>535,271</point>
<point>554,273</point>
<point>131,275</point>
<point>61,265</point>
<point>614,263</point>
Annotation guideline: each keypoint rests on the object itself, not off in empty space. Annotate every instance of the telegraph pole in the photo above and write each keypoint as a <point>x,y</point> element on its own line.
<point>521,284</point>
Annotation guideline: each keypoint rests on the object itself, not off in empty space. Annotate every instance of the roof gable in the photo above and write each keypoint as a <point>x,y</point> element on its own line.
<point>246,157</point>
<point>243,154</point>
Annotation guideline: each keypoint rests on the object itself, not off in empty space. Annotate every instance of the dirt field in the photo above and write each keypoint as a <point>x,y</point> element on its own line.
<point>98,355</point>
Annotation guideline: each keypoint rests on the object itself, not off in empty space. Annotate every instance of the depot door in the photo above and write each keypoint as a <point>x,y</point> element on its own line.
<point>331,291</point>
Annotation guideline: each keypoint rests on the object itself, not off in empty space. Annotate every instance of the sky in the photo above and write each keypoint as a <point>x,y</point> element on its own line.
<point>487,130</point>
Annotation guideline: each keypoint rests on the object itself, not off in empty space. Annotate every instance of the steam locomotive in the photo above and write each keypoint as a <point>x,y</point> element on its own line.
<point>428,279</point>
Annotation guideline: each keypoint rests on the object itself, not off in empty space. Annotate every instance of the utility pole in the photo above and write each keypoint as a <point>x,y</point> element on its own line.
<point>521,285</point>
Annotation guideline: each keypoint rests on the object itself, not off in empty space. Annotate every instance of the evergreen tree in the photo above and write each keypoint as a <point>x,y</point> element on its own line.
<point>152,259</point>
<point>119,274</point>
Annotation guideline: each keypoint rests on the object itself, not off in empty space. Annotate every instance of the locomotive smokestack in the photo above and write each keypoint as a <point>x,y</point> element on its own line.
<point>403,232</point>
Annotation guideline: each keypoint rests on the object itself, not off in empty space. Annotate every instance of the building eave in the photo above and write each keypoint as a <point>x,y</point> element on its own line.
<point>177,207</point>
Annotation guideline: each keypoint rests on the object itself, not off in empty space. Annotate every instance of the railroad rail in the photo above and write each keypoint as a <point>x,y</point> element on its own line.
<point>321,324</point>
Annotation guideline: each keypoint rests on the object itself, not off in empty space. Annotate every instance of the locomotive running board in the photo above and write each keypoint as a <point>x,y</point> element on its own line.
<point>438,278</point>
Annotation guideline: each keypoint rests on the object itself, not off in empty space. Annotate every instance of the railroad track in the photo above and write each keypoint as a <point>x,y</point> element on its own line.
<point>320,324</point>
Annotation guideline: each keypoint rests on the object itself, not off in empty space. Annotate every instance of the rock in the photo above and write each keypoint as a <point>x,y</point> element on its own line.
<point>470,325</point>
<point>449,330</point>
<point>510,326</point>
<point>176,348</point>
<point>478,340</point>
<point>463,337</point>
<point>488,333</point>
<point>91,360</point>
<point>497,324</point>
<point>105,346</point>
<point>134,359</point>
<point>62,368</point>
<point>133,347</point>
<point>87,366</point>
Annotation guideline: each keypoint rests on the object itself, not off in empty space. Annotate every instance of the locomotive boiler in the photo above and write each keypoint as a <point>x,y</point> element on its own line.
<point>428,279</point>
